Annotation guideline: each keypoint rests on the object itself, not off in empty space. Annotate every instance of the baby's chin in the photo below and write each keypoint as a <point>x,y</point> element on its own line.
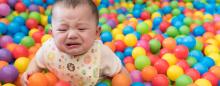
<point>76,52</point>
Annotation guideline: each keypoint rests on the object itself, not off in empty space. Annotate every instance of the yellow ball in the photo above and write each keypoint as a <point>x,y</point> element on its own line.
<point>217,38</point>
<point>208,16</point>
<point>198,14</point>
<point>44,20</point>
<point>133,20</point>
<point>8,84</point>
<point>212,42</point>
<point>116,31</point>
<point>138,51</point>
<point>155,14</point>
<point>188,4</point>
<point>130,5</point>
<point>119,37</point>
<point>15,13</point>
<point>32,31</point>
<point>211,49</point>
<point>130,40</point>
<point>215,57</point>
<point>174,71</point>
<point>149,23</point>
<point>124,4</point>
<point>120,26</point>
<point>45,38</point>
<point>170,58</point>
<point>152,34</point>
<point>203,82</point>
<point>21,64</point>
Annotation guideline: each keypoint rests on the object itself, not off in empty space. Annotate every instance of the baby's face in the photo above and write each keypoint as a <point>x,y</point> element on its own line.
<point>74,29</point>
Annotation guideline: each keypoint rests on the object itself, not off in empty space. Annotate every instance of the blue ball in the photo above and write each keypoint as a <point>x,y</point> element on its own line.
<point>198,5</point>
<point>210,8</point>
<point>120,55</point>
<point>27,3</point>
<point>38,2</point>
<point>137,34</point>
<point>189,41</point>
<point>24,30</point>
<point>3,28</point>
<point>157,21</point>
<point>18,37</point>
<point>50,2</point>
<point>137,84</point>
<point>13,28</point>
<point>18,19</point>
<point>128,51</point>
<point>137,7</point>
<point>198,55</point>
<point>136,13</point>
<point>201,68</point>
<point>179,40</point>
<point>106,36</point>
<point>178,24</point>
<point>181,17</point>
<point>198,31</point>
<point>167,9</point>
<point>49,19</point>
<point>101,84</point>
<point>127,30</point>
<point>207,61</point>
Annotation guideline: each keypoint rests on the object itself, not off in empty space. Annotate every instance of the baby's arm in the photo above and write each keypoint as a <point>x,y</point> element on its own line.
<point>35,65</point>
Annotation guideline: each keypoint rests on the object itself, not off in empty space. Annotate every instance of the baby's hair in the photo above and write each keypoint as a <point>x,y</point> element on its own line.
<point>74,3</point>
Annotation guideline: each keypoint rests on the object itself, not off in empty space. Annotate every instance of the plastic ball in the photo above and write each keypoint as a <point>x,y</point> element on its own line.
<point>142,28</point>
<point>13,28</point>
<point>31,23</point>
<point>8,74</point>
<point>9,84</point>
<point>120,45</point>
<point>161,65</point>
<point>3,28</point>
<point>121,80</point>
<point>201,68</point>
<point>62,83</point>
<point>183,80</point>
<point>141,62</point>
<point>130,67</point>
<point>174,71</point>
<point>21,64</point>
<point>169,43</point>
<point>27,42</point>
<point>215,70</point>
<point>172,31</point>
<point>106,36</point>
<point>155,45</point>
<point>211,77</point>
<point>18,37</point>
<point>198,31</point>
<point>137,84</point>
<point>211,49</point>
<point>203,82</point>
<point>209,62</point>
<point>184,30</point>
<point>33,8</point>
<point>145,15</point>
<point>164,25</point>
<point>144,44</point>
<point>20,7</point>
<point>36,16</point>
<point>170,58</point>
<point>128,51</point>
<point>138,51</point>
<point>199,45</point>
<point>20,51</point>
<point>215,57</point>
<point>4,9</point>
<point>136,76</point>
<point>160,80</point>
<point>107,82</point>
<point>183,64</point>
<point>181,52</point>
<point>4,40</point>
<point>101,84</point>
<point>127,30</point>
<point>148,73</point>
<point>120,55</point>
<point>193,73</point>
<point>3,64</point>
<point>189,41</point>
<point>130,40</point>
<point>5,55</point>
<point>136,13</point>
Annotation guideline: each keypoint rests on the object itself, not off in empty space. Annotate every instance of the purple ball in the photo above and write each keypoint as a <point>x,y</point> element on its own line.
<point>4,9</point>
<point>4,40</point>
<point>147,84</point>
<point>12,2</point>
<point>136,76</point>
<point>111,23</point>
<point>8,74</point>
<point>33,7</point>
<point>5,55</point>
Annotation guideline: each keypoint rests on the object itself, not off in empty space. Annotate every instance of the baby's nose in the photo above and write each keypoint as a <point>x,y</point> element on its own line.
<point>72,35</point>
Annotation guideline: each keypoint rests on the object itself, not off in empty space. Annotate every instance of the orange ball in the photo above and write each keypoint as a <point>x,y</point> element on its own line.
<point>110,45</point>
<point>121,80</point>
<point>217,25</point>
<point>215,70</point>
<point>148,73</point>
<point>2,64</point>
<point>4,20</point>
<point>169,43</point>
<point>130,67</point>
<point>18,80</point>
<point>37,79</point>
<point>11,46</point>
<point>208,35</point>
<point>51,78</point>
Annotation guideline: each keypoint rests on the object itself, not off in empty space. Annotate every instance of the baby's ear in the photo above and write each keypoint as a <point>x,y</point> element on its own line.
<point>98,31</point>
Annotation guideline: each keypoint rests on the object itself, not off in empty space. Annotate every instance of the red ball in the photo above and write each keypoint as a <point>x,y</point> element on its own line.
<point>159,37</point>
<point>20,51</point>
<point>120,45</point>
<point>164,51</point>
<point>145,15</point>
<point>37,36</point>
<point>183,64</point>
<point>181,51</point>
<point>146,37</point>
<point>128,59</point>
<point>161,66</point>
<point>31,23</point>
<point>20,7</point>
<point>193,73</point>
<point>160,80</point>
<point>62,83</point>
<point>153,58</point>
<point>3,1</point>
<point>211,77</point>
<point>164,25</point>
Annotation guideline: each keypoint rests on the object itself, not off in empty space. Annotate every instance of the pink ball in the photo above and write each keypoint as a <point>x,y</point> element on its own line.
<point>4,40</point>
<point>183,64</point>
<point>4,9</point>
<point>193,73</point>
<point>211,77</point>
<point>136,76</point>
<point>144,44</point>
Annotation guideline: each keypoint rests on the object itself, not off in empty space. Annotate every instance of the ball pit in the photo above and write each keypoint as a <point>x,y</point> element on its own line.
<point>159,42</point>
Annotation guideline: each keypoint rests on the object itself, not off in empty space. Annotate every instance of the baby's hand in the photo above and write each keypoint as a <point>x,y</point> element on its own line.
<point>24,79</point>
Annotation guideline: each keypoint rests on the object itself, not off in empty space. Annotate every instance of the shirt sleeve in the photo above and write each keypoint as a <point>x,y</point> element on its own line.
<point>111,64</point>
<point>39,58</point>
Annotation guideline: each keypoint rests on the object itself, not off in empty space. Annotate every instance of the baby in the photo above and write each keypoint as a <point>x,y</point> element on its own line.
<point>73,54</point>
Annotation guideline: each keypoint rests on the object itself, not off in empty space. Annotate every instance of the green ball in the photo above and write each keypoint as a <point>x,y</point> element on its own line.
<point>48,12</point>
<point>35,15</point>
<point>199,45</point>
<point>142,28</point>
<point>187,0</point>
<point>172,31</point>
<point>107,82</point>
<point>155,7</point>
<point>27,42</point>
<point>148,3</point>
<point>139,1</point>
<point>102,20</point>
<point>113,11</point>
<point>121,18</point>
<point>183,80</point>
<point>176,12</point>
<point>10,17</point>
<point>141,62</point>
<point>174,4</point>
<point>103,11</point>
<point>187,21</point>
<point>150,9</point>
<point>197,21</point>
<point>24,15</point>
<point>106,27</point>
<point>191,61</point>
<point>184,30</point>
<point>154,46</point>
<point>47,28</point>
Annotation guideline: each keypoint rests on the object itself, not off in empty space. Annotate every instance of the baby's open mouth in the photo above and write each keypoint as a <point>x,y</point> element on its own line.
<point>72,45</point>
